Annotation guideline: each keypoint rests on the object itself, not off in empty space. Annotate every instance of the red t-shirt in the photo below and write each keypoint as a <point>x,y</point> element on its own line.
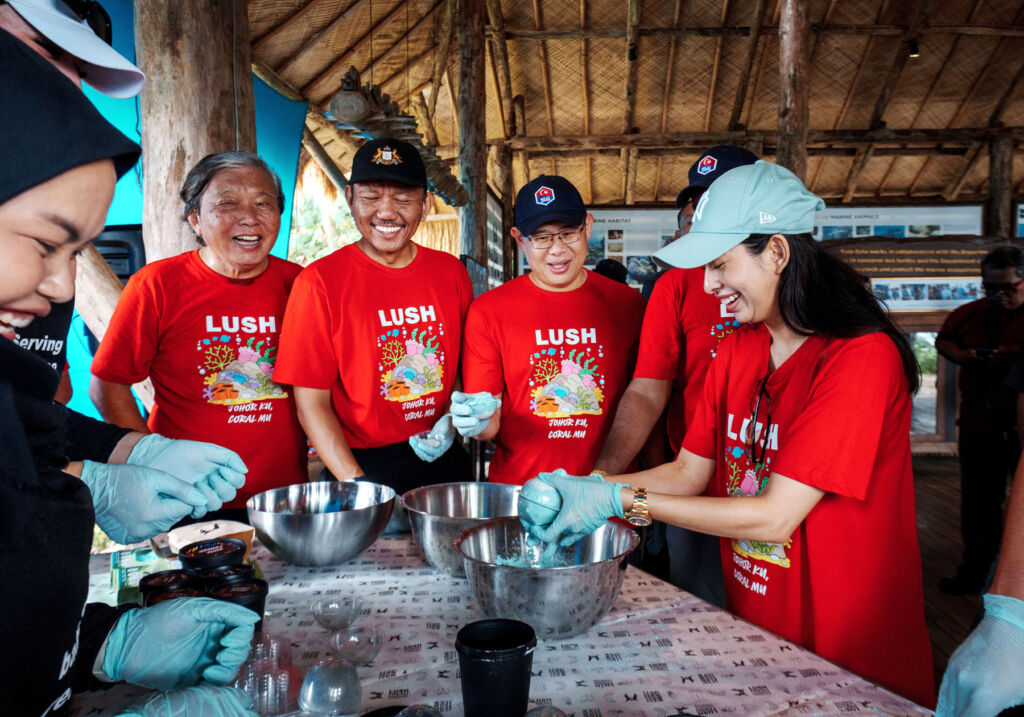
<point>208,344</point>
<point>384,341</point>
<point>683,326</point>
<point>847,585</point>
<point>560,361</point>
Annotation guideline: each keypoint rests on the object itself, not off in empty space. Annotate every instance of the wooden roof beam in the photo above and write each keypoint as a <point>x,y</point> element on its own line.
<point>324,85</point>
<point>713,83</point>
<point>746,30</point>
<point>629,157</point>
<point>297,57</point>
<point>585,72</point>
<point>538,20</point>
<point>852,138</point>
<point>500,66</point>
<point>443,49</point>
<point>666,93</point>
<point>323,159</point>
<point>860,159</point>
<point>744,78</point>
<point>260,42</point>
<point>970,161</point>
<point>899,62</point>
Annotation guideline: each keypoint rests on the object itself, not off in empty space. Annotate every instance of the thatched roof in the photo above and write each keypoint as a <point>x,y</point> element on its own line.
<point>884,126</point>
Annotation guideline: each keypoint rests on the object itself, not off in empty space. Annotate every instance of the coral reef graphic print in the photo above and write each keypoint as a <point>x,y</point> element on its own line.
<point>235,373</point>
<point>411,362</point>
<point>744,479</point>
<point>719,331</point>
<point>566,384</point>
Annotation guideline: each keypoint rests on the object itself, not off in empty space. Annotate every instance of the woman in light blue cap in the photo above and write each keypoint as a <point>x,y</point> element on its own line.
<point>798,456</point>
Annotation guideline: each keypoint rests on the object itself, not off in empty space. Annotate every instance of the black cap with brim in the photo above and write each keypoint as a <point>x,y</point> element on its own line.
<point>548,198</point>
<point>51,126</point>
<point>388,160</point>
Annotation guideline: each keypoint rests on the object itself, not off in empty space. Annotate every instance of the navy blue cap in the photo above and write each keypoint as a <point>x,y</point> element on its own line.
<point>388,160</point>
<point>713,164</point>
<point>548,198</point>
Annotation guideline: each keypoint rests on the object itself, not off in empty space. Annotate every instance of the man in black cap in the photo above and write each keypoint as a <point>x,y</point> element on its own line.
<point>682,328</point>
<point>372,333</point>
<point>557,345</point>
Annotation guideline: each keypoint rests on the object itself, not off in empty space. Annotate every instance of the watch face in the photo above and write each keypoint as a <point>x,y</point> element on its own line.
<point>639,521</point>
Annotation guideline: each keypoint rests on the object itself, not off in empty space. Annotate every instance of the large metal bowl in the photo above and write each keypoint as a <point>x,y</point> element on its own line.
<point>322,523</point>
<point>439,513</point>
<point>560,601</point>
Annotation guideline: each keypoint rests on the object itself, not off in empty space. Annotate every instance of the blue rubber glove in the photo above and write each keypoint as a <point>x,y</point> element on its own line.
<point>437,443</point>
<point>586,505</point>
<point>471,412</point>
<point>133,503</point>
<point>201,701</point>
<point>216,471</point>
<point>984,675</point>
<point>178,642</point>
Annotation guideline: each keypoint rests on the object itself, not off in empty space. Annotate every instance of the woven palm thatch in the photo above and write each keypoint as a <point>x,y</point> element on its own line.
<point>703,72</point>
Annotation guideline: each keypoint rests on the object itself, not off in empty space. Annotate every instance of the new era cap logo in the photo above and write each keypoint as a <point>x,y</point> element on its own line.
<point>767,218</point>
<point>707,165</point>
<point>544,196</point>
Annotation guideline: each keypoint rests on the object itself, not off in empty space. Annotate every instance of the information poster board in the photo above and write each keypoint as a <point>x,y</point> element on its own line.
<point>630,236</point>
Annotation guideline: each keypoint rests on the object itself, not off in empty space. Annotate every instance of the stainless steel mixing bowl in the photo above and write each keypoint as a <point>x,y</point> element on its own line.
<point>560,601</point>
<point>439,513</point>
<point>322,523</point>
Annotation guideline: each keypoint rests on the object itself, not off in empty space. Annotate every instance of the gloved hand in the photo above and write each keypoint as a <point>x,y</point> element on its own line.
<point>201,701</point>
<point>133,503</point>
<point>216,471</point>
<point>586,505</point>
<point>437,443</point>
<point>178,642</point>
<point>984,675</point>
<point>472,411</point>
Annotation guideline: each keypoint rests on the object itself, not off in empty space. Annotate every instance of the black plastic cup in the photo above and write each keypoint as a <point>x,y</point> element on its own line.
<point>495,658</point>
<point>251,593</point>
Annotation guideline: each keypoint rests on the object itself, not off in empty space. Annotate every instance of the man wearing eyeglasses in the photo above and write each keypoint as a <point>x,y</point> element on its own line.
<point>682,328</point>
<point>557,344</point>
<point>983,337</point>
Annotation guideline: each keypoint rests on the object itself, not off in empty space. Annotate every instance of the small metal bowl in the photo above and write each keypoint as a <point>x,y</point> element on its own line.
<point>322,523</point>
<point>559,601</point>
<point>439,513</point>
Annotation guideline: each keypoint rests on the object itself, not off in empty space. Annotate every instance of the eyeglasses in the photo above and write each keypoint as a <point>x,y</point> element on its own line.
<point>546,241</point>
<point>1006,289</point>
<point>94,15</point>
<point>752,437</point>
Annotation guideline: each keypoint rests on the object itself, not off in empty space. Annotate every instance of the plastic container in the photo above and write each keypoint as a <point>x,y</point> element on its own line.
<point>227,574</point>
<point>172,594</point>
<point>495,658</point>
<point>248,593</point>
<point>156,583</point>
<point>208,554</point>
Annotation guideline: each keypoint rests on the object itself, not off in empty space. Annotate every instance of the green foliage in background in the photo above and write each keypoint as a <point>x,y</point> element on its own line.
<point>315,234</point>
<point>924,350</point>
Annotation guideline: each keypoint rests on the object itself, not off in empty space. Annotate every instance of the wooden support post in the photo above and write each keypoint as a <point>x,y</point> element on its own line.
<point>794,82</point>
<point>521,164</point>
<point>198,100</point>
<point>1000,186</point>
<point>502,179</point>
<point>323,160</point>
<point>472,103</point>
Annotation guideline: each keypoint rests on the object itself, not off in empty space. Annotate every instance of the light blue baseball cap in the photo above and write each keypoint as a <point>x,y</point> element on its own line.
<point>759,198</point>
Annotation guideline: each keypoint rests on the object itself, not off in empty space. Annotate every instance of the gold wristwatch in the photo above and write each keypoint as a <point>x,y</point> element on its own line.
<point>638,515</point>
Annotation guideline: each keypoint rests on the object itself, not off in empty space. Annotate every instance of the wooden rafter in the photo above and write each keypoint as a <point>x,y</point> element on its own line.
<point>538,21</point>
<point>298,56</point>
<point>323,159</point>
<point>744,77</point>
<point>970,161</point>
<point>629,158</point>
<point>899,63</point>
<point>666,93</point>
<point>326,83</point>
<point>746,30</point>
<point>761,62</point>
<point>713,83</point>
<point>500,66</point>
<point>1000,48</point>
<point>863,155</point>
<point>931,89</point>
<point>424,121</point>
<point>297,17</point>
<point>585,71</point>
<point>444,47</point>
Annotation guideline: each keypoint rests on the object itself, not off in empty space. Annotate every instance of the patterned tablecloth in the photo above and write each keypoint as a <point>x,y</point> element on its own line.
<point>659,651</point>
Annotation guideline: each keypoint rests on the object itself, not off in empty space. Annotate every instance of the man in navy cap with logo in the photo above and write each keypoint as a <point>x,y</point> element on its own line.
<point>372,333</point>
<point>556,345</point>
<point>681,331</point>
